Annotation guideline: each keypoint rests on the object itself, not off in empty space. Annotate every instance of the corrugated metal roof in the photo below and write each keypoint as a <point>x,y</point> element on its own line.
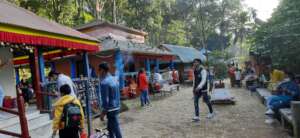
<point>13,15</point>
<point>131,47</point>
<point>185,54</point>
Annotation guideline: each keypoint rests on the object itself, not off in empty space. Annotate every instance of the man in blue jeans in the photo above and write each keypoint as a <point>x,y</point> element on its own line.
<point>110,98</point>
<point>287,91</point>
<point>201,89</point>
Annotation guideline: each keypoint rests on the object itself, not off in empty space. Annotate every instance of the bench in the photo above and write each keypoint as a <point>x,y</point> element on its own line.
<point>170,88</point>
<point>286,117</point>
<point>263,94</point>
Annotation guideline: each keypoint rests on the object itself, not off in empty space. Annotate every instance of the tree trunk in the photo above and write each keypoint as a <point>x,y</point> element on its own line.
<point>114,12</point>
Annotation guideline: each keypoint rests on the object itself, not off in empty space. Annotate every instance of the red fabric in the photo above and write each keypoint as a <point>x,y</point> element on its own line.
<point>8,102</point>
<point>44,41</point>
<point>231,72</point>
<point>143,82</point>
<point>191,74</point>
<point>83,134</point>
<point>174,76</point>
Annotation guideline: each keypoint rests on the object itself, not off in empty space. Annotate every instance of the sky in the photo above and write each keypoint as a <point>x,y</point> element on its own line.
<point>264,7</point>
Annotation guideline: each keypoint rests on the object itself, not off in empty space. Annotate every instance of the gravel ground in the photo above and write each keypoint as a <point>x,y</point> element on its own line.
<point>170,117</point>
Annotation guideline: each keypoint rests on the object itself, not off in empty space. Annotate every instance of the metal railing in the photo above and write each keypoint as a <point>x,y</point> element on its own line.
<point>22,117</point>
<point>87,93</point>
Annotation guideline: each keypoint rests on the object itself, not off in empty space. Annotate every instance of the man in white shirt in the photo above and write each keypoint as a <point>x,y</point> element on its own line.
<point>63,79</point>
<point>237,74</point>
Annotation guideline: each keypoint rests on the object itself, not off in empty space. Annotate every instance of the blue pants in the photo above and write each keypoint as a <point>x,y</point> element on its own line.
<point>113,125</point>
<point>205,99</point>
<point>145,97</point>
<point>276,102</point>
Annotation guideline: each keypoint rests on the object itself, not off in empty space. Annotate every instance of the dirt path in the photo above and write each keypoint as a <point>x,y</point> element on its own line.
<point>171,118</point>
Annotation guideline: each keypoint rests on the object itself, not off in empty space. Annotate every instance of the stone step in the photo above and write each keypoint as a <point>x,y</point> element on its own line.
<point>39,126</point>
<point>43,130</point>
<point>15,119</point>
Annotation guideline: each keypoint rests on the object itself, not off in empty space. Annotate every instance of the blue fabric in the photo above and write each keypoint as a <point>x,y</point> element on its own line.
<point>120,69</point>
<point>110,93</point>
<point>1,96</point>
<point>283,99</point>
<point>73,68</point>
<point>113,125</point>
<point>144,97</point>
<point>292,88</point>
<point>276,102</point>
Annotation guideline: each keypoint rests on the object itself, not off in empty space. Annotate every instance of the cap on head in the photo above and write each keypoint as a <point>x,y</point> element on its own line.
<point>104,66</point>
<point>197,60</point>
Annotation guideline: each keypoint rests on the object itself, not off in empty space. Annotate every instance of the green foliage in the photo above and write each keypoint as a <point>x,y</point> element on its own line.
<point>182,22</point>
<point>176,33</point>
<point>279,37</point>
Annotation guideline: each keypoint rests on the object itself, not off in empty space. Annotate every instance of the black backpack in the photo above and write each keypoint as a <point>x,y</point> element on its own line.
<point>71,115</point>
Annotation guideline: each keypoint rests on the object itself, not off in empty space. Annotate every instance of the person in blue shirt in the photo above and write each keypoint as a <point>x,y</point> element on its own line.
<point>110,100</point>
<point>287,91</point>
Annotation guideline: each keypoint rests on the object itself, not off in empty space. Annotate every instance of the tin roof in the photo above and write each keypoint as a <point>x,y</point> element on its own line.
<point>185,54</point>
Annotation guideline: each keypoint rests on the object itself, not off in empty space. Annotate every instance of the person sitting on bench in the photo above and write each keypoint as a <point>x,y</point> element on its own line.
<point>287,91</point>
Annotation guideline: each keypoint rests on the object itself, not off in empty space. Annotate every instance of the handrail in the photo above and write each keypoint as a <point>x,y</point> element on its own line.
<point>9,111</point>
<point>22,118</point>
<point>10,133</point>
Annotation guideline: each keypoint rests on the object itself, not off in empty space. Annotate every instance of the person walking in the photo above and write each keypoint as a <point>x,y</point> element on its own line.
<point>68,115</point>
<point>237,74</point>
<point>143,87</point>
<point>200,88</point>
<point>110,98</point>
<point>63,79</point>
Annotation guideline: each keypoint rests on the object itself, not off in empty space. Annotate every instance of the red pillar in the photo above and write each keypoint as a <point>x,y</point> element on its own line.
<point>36,77</point>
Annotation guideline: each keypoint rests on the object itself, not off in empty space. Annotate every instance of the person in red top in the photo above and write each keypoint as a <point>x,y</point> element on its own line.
<point>231,74</point>
<point>175,76</point>
<point>143,86</point>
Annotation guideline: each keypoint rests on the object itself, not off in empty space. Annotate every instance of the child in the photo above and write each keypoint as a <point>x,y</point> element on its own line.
<point>68,115</point>
<point>237,74</point>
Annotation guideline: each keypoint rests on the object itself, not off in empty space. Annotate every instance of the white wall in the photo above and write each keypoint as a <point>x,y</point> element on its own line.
<point>7,73</point>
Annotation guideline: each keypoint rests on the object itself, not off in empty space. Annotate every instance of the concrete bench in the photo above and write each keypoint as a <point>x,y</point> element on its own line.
<point>263,94</point>
<point>286,116</point>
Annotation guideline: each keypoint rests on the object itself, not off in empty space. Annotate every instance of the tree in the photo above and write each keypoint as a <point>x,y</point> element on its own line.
<point>279,37</point>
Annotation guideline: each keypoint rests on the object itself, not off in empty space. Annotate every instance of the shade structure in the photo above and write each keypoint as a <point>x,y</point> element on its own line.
<point>184,54</point>
<point>20,26</point>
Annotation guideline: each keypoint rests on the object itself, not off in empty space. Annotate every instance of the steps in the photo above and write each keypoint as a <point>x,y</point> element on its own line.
<point>39,125</point>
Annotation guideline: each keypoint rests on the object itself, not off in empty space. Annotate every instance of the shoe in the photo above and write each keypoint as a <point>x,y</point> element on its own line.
<point>210,115</point>
<point>269,112</point>
<point>196,119</point>
<point>269,121</point>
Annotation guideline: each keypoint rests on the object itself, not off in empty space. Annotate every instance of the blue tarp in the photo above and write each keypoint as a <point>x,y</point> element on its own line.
<point>185,54</point>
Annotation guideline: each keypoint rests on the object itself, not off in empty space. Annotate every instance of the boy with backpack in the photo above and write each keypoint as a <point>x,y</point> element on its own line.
<point>68,115</point>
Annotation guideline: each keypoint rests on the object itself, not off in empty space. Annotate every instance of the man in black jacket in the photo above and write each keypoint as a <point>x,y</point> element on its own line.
<point>200,88</point>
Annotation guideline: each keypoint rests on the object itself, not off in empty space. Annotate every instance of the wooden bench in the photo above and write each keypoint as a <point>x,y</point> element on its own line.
<point>286,117</point>
<point>263,94</point>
